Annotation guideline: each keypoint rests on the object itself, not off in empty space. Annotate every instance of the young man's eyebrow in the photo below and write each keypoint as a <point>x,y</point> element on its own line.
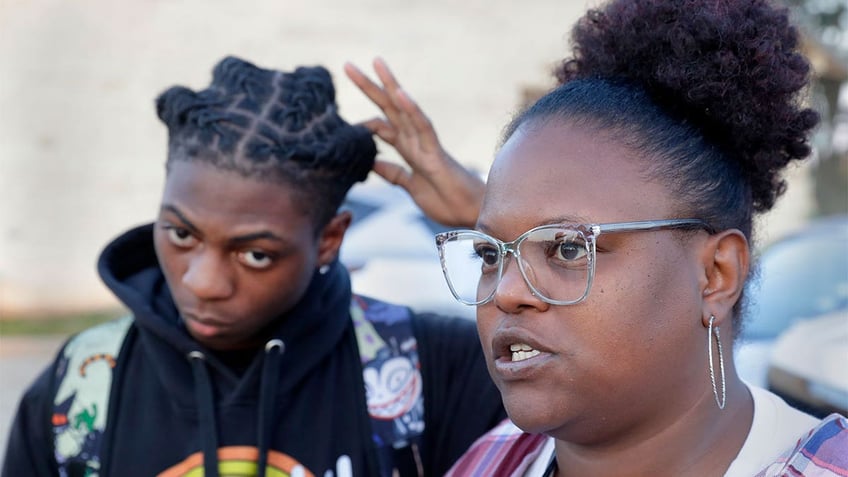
<point>266,235</point>
<point>174,210</point>
<point>261,235</point>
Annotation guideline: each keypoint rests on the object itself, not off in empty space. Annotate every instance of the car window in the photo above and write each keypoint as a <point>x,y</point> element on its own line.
<point>798,278</point>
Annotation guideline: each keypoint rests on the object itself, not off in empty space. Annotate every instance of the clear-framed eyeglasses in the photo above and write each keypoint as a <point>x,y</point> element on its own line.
<point>556,261</point>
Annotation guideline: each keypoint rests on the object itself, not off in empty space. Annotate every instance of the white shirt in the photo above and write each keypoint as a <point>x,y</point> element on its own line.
<point>776,428</point>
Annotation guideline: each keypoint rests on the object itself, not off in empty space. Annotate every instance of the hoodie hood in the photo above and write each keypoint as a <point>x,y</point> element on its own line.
<point>310,331</point>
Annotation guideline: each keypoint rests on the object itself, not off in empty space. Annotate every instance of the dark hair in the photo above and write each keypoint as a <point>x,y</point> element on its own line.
<point>707,89</point>
<point>271,125</point>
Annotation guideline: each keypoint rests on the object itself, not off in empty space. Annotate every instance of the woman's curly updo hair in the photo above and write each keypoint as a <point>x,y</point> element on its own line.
<point>708,90</point>
<point>271,125</point>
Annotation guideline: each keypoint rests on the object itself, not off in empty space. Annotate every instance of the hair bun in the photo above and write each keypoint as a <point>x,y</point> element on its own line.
<point>730,67</point>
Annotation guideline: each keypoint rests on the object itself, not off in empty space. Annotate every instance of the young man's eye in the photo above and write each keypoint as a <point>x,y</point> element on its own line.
<point>256,259</point>
<point>181,237</point>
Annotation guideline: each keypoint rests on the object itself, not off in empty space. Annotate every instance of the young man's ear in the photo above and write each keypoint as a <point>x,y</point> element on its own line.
<point>726,258</point>
<point>332,236</point>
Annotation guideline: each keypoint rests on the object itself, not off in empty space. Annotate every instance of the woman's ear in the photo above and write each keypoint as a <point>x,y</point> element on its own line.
<point>726,259</point>
<point>332,236</point>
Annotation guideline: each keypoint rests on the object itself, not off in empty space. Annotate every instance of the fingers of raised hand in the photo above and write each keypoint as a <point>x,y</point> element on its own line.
<point>382,129</point>
<point>393,173</point>
<point>371,89</point>
<point>418,122</point>
<point>385,96</point>
<point>403,106</point>
<point>407,127</point>
<point>385,74</point>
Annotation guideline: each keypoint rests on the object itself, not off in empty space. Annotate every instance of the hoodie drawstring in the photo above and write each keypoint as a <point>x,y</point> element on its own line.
<point>203,394</point>
<point>206,407</point>
<point>267,390</point>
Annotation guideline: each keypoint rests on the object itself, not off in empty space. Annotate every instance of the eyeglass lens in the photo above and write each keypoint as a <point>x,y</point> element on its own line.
<point>554,261</point>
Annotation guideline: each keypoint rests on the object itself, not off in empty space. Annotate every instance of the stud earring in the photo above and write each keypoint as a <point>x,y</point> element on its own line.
<point>324,269</point>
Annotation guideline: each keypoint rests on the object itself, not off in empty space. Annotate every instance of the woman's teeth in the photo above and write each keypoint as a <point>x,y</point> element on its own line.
<point>521,351</point>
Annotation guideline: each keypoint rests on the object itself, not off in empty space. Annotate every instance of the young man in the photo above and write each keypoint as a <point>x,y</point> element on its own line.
<point>246,352</point>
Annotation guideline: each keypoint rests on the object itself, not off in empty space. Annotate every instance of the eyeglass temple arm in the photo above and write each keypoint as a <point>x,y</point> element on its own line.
<point>645,225</point>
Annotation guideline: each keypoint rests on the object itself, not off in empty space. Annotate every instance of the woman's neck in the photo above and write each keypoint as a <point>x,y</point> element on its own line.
<point>703,441</point>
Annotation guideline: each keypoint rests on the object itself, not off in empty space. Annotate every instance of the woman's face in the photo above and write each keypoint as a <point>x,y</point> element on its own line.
<point>633,353</point>
<point>236,252</point>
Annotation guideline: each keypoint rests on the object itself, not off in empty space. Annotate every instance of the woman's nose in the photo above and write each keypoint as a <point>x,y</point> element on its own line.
<point>208,277</point>
<point>513,293</point>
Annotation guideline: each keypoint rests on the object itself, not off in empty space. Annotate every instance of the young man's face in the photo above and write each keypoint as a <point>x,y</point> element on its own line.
<point>236,252</point>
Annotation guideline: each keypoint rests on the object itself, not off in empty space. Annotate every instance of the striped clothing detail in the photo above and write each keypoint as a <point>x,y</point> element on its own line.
<point>506,451</point>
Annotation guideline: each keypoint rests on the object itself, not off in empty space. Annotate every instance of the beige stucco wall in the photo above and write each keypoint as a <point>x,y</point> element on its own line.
<point>81,150</point>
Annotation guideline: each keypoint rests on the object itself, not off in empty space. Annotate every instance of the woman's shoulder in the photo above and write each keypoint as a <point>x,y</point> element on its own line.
<point>821,451</point>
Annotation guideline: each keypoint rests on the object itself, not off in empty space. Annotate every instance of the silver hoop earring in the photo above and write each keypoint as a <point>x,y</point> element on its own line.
<point>324,269</point>
<point>714,331</point>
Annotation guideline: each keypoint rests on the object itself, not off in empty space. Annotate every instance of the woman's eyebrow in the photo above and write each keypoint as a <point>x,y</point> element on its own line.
<point>568,220</point>
<point>560,220</point>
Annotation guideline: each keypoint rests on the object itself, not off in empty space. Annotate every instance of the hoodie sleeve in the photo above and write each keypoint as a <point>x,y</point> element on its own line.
<point>29,449</point>
<point>461,402</point>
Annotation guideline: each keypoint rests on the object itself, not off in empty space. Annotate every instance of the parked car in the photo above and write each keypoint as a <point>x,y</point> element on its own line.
<point>391,252</point>
<point>795,333</point>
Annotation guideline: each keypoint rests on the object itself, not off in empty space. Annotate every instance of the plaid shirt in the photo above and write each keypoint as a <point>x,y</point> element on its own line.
<point>506,451</point>
<point>821,452</point>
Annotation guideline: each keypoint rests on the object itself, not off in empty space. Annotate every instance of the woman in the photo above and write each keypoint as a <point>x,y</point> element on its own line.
<point>246,349</point>
<point>612,246</point>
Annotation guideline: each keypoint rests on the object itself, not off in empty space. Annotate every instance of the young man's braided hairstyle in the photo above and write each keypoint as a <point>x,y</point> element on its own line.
<point>271,125</point>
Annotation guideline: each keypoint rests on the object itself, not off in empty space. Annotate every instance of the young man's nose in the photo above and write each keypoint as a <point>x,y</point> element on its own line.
<point>208,276</point>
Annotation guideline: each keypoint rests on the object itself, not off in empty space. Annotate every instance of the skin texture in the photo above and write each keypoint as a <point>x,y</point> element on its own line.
<point>622,379</point>
<point>235,265</point>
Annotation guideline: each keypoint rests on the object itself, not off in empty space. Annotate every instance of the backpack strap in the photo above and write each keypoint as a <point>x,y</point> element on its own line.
<point>81,401</point>
<point>391,372</point>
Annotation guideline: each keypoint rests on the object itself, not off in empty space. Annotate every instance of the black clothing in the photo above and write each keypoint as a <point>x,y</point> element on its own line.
<point>172,399</point>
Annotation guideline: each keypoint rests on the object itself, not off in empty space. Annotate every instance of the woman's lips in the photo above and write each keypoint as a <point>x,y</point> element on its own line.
<point>522,351</point>
<point>518,355</point>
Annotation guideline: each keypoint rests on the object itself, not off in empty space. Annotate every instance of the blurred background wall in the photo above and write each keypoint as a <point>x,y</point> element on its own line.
<point>82,152</point>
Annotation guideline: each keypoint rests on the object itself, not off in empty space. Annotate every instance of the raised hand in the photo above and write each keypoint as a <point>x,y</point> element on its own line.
<point>445,190</point>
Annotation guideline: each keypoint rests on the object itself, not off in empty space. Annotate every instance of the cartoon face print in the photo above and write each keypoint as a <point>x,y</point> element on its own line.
<point>392,387</point>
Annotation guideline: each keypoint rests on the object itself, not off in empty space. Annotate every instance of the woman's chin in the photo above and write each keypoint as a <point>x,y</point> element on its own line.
<point>532,416</point>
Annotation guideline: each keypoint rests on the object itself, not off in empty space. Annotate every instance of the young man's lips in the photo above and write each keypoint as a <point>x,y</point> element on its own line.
<point>204,320</point>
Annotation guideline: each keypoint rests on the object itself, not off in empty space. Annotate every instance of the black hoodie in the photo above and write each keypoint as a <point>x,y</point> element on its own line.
<point>305,405</point>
